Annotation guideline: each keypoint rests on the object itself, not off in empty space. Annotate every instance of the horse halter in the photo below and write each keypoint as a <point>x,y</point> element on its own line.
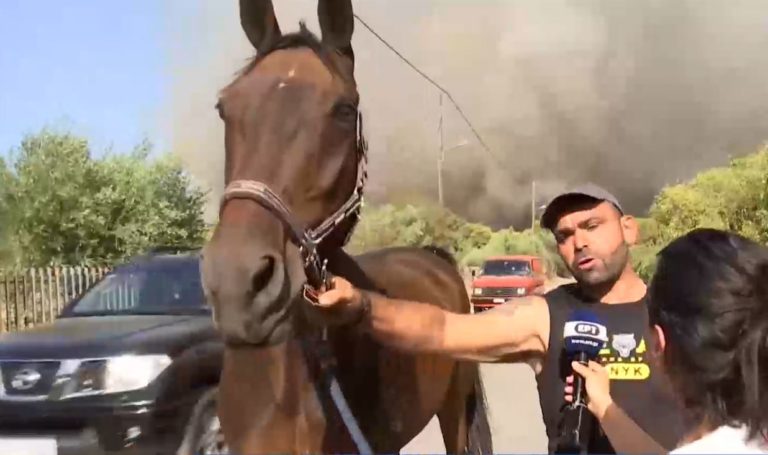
<point>308,239</point>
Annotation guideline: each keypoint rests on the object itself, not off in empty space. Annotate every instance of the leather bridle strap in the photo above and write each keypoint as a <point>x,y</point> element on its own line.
<point>264,196</point>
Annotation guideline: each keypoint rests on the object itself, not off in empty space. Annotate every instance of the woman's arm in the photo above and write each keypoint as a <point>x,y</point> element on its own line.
<point>625,435</point>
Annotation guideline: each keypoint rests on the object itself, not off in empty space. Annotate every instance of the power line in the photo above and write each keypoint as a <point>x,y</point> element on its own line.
<point>437,86</point>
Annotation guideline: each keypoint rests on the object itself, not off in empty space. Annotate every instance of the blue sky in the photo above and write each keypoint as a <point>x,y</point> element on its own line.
<point>93,67</point>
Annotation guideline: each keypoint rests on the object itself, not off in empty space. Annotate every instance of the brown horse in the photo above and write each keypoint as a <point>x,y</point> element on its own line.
<point>295,157</point>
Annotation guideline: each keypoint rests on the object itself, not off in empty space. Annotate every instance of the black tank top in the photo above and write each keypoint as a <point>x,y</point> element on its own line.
<point>636,386</point>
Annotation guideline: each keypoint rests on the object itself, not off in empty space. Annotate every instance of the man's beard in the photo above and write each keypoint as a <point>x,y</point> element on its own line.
<point>601,276</point>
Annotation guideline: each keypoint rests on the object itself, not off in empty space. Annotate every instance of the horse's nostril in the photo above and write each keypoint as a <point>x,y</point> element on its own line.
<point>263,274</point>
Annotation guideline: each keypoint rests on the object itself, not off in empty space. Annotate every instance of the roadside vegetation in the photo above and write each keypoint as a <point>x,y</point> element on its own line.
<point>61,205</point>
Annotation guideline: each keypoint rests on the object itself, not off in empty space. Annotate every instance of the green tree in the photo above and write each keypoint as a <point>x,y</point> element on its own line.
<point>473,236</point>
<point>70,208</point>
<point>643,258</point>
<point>734,197</point>
<point>416,225</point>
<point>643,254</point>
<point>7,251</point>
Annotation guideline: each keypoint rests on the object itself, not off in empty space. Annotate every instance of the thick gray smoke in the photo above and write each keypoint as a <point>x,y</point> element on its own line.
<point>630,94</point>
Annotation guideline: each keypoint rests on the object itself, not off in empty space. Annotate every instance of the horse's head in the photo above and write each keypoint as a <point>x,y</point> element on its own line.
<point>293,151</point>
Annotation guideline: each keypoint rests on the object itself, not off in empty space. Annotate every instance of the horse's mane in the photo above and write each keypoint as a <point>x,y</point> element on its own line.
<point>303,38</point>
<point>441,253</point>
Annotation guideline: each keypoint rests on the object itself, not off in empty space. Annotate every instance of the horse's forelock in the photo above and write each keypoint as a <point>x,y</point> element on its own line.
<point>303,38</point>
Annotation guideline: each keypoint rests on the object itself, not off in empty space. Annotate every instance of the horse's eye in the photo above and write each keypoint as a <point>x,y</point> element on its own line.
<point>345,112</point>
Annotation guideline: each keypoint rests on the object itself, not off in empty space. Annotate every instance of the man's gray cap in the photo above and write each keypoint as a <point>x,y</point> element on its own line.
<point>556,205</point>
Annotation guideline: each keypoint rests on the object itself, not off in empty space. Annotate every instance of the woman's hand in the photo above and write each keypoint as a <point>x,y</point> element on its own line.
<point>597,385</point>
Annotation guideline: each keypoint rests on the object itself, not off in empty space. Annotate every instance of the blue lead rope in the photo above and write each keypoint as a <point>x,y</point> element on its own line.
<point>327,362</point>
<point>349,419</point>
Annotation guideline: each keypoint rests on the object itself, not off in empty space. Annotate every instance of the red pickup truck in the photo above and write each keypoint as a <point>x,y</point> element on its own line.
<point>504,277</point>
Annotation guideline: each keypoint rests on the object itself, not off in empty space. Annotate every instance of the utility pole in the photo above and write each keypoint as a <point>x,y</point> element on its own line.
<point>533,204</point>
<point>441,155</point>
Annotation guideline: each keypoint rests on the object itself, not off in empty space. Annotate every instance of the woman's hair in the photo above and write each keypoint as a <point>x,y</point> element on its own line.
<point>710,296</point>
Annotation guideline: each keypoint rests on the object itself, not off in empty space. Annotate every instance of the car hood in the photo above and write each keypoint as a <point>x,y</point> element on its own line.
<point>97,336</point>
<point>503,281</point>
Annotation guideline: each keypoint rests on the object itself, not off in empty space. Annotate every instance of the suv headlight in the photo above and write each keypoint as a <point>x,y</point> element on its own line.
<point>115,374</point>
<point>477,291</point>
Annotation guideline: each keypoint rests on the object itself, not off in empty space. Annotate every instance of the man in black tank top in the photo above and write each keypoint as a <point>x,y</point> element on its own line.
<point>636,386</point>
<point>593,238</point>
<point>599,262</point>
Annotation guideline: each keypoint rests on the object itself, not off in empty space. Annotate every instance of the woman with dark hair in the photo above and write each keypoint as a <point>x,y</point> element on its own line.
<point>709,310</point>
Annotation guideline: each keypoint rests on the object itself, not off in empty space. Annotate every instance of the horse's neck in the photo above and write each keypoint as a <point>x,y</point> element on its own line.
<point>342,264</point>
<point>269,402</point>
<point>275,399</point>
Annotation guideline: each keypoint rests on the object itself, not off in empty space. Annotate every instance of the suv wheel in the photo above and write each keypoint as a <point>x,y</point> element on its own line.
<point>203,435</point>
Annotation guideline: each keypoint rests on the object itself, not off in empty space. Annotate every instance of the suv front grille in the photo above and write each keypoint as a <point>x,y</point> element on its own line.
<point>28,379</point>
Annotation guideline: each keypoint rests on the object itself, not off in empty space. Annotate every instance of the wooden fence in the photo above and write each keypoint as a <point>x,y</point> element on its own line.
<point>34,296</point>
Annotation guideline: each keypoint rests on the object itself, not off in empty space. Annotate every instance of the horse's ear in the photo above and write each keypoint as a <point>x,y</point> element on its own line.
<point>259,23</point>
<point>337,24</point>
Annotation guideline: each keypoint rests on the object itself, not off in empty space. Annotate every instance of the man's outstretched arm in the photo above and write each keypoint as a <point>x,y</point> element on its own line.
<point>515,331</point>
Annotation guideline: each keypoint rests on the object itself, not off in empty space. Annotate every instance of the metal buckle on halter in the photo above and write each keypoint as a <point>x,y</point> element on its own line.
<point>309,256</point>
<point>310,293</point>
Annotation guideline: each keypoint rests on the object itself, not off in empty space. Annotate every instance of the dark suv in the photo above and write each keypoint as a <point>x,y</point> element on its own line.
<point>129,367</point>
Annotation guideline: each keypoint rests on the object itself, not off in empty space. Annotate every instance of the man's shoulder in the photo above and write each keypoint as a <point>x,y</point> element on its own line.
<point>566,290</point>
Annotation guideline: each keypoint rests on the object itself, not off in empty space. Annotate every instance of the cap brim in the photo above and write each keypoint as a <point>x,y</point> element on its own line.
<point>556,206</point>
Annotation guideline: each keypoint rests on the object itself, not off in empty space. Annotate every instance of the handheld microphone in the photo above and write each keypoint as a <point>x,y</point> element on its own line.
<point>583,338</point>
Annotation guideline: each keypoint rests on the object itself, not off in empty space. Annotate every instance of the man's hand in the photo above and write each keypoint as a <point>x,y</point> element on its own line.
<point>597,384</point>
<point>342,304</point>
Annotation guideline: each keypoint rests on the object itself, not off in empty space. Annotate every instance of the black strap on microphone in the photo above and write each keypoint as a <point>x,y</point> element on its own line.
<point>576,421</point>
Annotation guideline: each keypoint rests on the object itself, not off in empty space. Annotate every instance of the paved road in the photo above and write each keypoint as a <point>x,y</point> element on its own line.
<point>514,411</point>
